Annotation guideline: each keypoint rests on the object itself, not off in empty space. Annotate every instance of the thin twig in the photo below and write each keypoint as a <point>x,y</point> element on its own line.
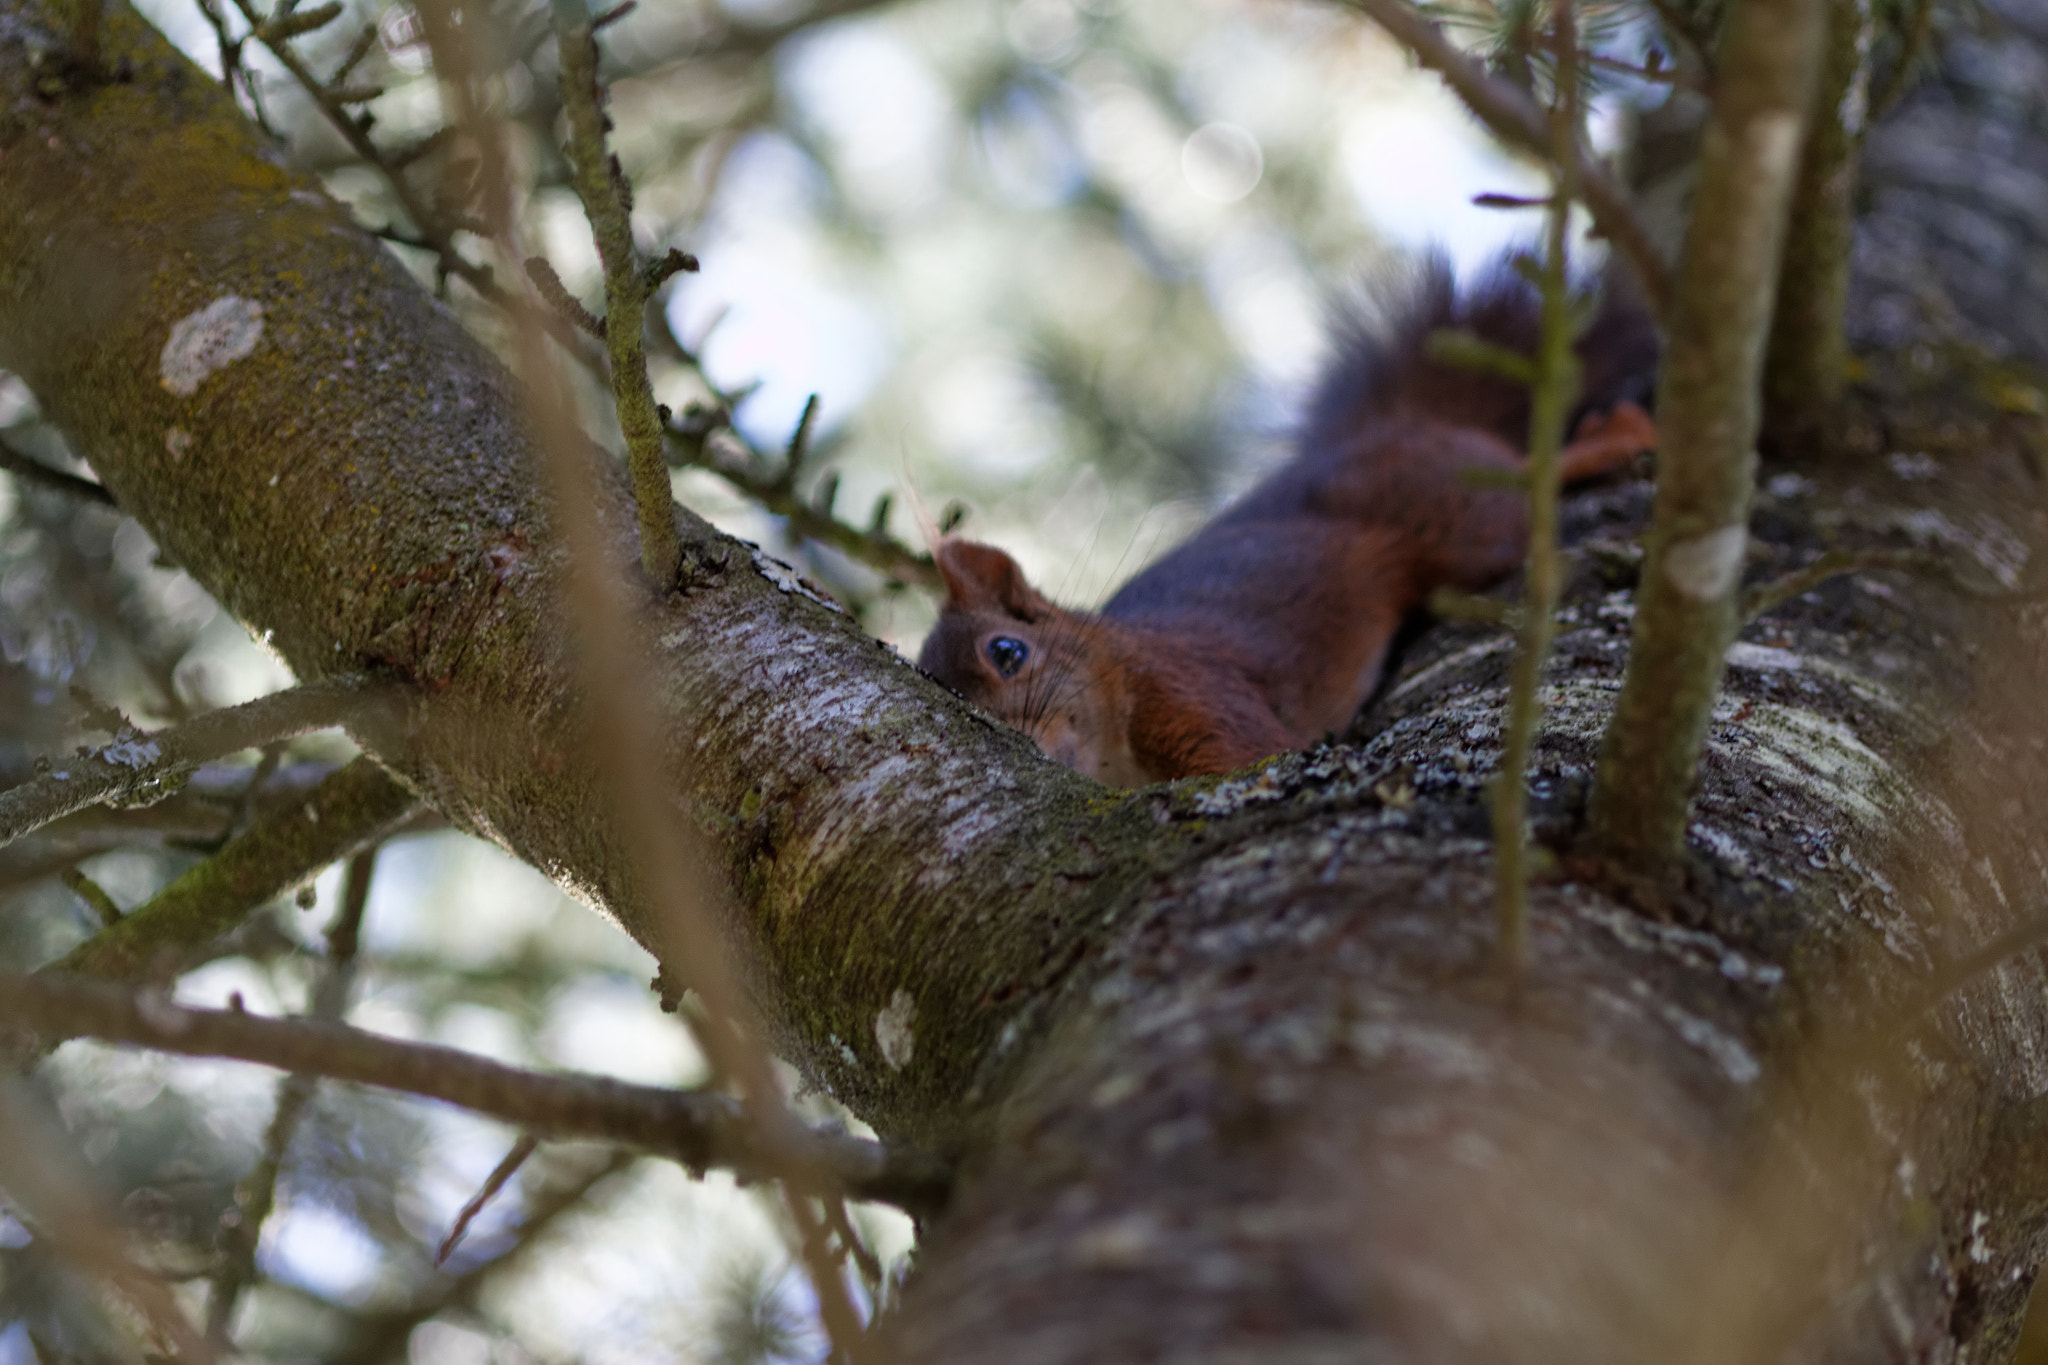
<point>1708,409</point>
<point>1951,977</point>
<point>138,767</point>
<point>871,545</point>
<point>1515,118</point>
<point>1767,597</point>
<point>1554,387</point>
<point>93,894</point>
<point>383,1337</point>
<point>702,1129</point>
<point>525,1147</point>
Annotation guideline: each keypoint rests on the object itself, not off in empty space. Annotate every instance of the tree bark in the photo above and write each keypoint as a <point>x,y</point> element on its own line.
<point>1227,1078</point>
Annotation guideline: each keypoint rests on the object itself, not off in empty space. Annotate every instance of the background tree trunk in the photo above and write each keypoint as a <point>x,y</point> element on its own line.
<point>1226,1072</point>
<point>1953,237</point>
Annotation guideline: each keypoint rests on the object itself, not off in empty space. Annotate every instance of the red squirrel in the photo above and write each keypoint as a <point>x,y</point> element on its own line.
<point>1268,628</point>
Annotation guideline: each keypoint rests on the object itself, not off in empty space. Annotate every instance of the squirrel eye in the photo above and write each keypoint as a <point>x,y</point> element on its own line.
<point>1008,654</point>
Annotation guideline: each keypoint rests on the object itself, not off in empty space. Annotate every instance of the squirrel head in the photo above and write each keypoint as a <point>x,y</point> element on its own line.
<point>1052,673</point>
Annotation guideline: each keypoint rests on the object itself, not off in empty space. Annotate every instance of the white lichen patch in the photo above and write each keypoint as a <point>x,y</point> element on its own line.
<point>208,341</point>
<point>133,753</point>
<point>1822,758</point>
<point>893,1032</point>
<point>1774,143</point>
<point>1225,797</point>
<point>177,440</point>
<point>789,580</point>
<point>1704,567</point>
<point>1768,659</point>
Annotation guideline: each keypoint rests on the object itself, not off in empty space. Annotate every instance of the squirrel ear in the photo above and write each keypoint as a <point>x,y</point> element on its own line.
<point>980,575</point>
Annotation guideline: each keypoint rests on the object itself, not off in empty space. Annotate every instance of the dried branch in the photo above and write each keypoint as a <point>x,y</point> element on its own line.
<point>1707,409</point>
<point>36,474</point>
<point>140,767</point>
<point>702,1129</point>
<point>353,809</point>
<point>525,1147</point>
<point>202,816</point>
<point>1516,119</point>
<point>607,203</point>
<point>383,1338</point>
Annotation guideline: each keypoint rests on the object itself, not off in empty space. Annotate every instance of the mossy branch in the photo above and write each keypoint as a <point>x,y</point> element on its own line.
<point>1707,413</point>
<point>354,808</point>
<point>607,203</point>
<point>702,1129</point>
<point>1553,377</point>
<point>140,767</point>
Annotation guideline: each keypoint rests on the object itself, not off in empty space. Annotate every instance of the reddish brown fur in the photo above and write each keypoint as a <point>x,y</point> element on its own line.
<point>1268,628</point>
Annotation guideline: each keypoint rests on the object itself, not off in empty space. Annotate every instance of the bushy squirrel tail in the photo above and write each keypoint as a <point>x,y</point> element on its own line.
<point>1379,364</point>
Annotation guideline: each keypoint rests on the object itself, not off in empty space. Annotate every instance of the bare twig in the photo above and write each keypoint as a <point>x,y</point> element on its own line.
<point>36,474</point>
<point>383,1338</point>
<point>1806,367</point>
<point>1707,411</point>
<point>1765,597</point>
<point>702,1129</point>
<point>139,767</point>
<point>871,545</point>
<point>1515,118</point>
<point>494,1182</point>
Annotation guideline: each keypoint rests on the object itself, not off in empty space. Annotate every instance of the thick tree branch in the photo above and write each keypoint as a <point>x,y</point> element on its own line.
<point>704,1130</point>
